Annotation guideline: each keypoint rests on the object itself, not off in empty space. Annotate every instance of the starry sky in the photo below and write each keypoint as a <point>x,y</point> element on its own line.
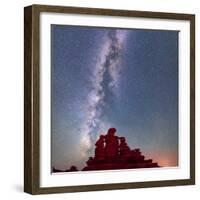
<point>109,77</point>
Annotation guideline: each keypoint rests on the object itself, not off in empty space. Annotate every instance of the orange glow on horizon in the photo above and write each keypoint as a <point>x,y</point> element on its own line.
<point>167,159</point>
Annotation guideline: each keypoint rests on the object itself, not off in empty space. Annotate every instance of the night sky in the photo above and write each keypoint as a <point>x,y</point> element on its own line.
<point>122,78</point>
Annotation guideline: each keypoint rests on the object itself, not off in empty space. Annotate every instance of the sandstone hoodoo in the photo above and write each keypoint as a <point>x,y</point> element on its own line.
<point>112,152</point>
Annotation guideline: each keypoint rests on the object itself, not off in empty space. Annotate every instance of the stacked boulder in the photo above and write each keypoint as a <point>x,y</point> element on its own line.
<point>112,152</point>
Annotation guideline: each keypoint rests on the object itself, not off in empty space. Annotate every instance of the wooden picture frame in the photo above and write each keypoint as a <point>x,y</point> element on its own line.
<point>32,92</point>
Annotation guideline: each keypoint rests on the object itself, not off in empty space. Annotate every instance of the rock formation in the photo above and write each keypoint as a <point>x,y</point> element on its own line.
<point>71,169</point>
<point>112,152</point>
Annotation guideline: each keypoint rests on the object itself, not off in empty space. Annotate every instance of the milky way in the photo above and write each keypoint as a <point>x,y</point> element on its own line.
<point>104,82</point>
<point>121,78</point>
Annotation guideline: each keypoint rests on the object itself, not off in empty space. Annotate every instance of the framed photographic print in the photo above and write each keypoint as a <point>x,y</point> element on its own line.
<point>109,99</point>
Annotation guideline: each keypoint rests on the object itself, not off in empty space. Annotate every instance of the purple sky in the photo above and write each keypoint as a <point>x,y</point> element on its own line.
<point>102,78</point>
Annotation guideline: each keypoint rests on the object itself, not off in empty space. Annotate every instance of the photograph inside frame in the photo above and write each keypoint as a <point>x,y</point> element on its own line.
<point>114,98</point>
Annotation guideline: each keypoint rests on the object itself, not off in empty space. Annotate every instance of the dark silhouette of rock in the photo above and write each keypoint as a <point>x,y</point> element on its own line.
<point>56,170</point>
<point>71,169</point>
<point>112,152</point>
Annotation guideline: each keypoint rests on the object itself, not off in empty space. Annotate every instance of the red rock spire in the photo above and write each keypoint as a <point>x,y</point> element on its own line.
<point>112,152</point>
